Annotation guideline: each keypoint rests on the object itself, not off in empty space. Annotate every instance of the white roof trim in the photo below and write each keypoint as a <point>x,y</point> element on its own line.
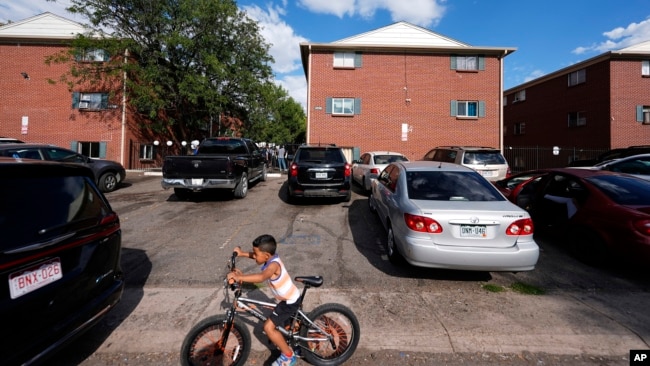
<point>643,47</point>
<point>43,26</point>
<point>401,34</point>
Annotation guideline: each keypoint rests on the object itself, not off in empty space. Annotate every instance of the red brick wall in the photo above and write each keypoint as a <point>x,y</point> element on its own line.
<point>48,106</point>
<point>383,83</point>
<point>608,99</point>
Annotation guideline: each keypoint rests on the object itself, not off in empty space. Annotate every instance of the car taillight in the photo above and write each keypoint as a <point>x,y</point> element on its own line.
<point>374,171</point>
<point>422,224</point>
<point>508,173</point>
<point>643,226</point>
<point>521,227</point>
<point>293,170</point>
<point>348,169</point>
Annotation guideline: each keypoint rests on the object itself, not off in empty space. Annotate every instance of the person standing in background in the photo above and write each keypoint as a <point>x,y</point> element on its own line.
<point>282,164</point>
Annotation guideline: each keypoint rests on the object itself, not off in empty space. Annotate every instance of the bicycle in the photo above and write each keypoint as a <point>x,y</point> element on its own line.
<point>328,336</point>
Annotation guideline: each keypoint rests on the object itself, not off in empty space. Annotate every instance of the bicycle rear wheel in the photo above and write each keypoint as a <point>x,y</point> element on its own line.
<point>200,346</point>
<point>337,321</point>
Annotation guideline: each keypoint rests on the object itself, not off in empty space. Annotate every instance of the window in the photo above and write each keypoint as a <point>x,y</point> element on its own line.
<point>146,152</point>
<point>463,108</point>
<point>90,149</point>
<point>577,119</point>
<point>645,68</point>
<point>468,62</point>
<point>92,101</point>
<point>643,114</point>
<point>343,106</point>
<point>520,96</point>
<point>577,77</point>
<point>92,55</point>
<point>347,59</point>
<point>520,128</point>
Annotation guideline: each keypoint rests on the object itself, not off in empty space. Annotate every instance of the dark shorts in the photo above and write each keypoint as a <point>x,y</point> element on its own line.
<point>283,313</point>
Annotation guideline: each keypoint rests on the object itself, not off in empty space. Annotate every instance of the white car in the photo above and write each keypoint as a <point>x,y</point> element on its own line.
<point>445,215</point>
<point>370,164</point>
<point>636,165</point>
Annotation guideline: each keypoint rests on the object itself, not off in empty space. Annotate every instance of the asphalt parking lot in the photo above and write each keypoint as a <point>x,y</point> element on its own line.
<point>174,254</point>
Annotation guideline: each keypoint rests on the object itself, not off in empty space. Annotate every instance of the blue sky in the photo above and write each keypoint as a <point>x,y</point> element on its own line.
<point>548,34</point>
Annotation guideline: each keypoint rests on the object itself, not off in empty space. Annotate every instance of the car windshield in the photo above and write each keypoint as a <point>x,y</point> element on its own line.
<point>483,157</point>
<point>323,155</point>
<point>387,159</point>
<point>623,190</point>
<point>222,146</point>
<point>450,186</point>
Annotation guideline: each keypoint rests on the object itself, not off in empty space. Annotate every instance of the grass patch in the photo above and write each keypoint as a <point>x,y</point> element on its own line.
<point>526,289</point>
<point>493,288</point>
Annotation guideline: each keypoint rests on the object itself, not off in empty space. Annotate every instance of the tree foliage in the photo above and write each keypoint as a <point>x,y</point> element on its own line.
<point>189,66</point>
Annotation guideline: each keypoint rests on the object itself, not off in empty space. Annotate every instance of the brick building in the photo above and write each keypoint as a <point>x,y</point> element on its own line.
<point>92,120</point>
<point>594,105</point>
<point>403,88</point>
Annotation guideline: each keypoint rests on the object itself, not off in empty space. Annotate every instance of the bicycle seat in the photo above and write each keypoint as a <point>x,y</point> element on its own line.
<point>312,281</point>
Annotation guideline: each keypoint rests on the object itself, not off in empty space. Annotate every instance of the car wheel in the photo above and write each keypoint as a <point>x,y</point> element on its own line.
<point>391,249</point>
<point>348,197</point>
<point>290,197</point>
<point>241,189</point>
<point>108,182</point>
<point>588,247</point>
<point>264,173</point>
<point>182,193</point>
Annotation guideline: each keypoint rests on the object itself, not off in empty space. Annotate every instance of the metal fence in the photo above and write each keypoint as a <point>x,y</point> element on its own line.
<point>539,157</point>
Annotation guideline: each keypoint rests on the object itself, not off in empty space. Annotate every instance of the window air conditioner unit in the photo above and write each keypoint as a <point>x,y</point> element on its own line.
<point>84,104</point>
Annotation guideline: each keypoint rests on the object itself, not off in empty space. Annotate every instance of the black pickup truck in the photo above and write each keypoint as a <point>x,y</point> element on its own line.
<point>220,163</point>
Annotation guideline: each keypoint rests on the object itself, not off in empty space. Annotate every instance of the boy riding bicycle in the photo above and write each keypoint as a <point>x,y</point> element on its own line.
<point>283,288</point>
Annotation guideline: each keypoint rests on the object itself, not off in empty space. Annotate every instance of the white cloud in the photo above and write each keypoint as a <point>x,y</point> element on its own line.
<point>284,42</point>
<point>17,10</point>
<point>620,37</point>
<point>420,12</point>
<point>296,85</point>
<point>533,75</point>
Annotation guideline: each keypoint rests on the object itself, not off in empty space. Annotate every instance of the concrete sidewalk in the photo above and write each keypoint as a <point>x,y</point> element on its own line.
<point>561,323</point>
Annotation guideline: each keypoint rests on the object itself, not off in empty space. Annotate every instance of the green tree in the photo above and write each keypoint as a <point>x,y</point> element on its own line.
<point>186,62</point>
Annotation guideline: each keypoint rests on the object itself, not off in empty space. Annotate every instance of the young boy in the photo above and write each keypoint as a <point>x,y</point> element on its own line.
<point>283,288</point>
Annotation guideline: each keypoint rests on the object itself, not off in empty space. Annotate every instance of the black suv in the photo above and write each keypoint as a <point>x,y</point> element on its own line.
<point>59,257</point>
<point>107,174</point>
<point>319,171</point>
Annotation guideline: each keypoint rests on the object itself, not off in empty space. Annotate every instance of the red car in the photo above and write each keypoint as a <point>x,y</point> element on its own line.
<point>600,215</point>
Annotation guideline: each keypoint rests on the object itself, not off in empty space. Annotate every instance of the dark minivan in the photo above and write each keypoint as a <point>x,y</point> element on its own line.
<point>59,257</point>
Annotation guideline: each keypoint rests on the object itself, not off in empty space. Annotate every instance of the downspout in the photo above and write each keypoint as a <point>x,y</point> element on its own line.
<point>123,138</point>
<point>505,53</point>
<point>309,96</point>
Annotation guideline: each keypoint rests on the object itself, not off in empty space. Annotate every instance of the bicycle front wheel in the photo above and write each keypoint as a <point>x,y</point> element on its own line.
<point>340,323</point>
<point>201,345</point>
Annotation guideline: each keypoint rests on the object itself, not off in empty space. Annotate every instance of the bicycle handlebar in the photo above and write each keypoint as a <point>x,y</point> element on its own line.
<point>233,257</point>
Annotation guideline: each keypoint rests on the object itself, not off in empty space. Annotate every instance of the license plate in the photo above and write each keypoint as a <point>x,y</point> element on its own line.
<point>33,278</point>
<point>321,175</point>
<point>197,182</point>
<point>488,173</point>
<point>473,231</point>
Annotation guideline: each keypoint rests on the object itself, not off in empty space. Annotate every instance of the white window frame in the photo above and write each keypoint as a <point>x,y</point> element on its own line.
<point>577,77</point>
<point>645,68</point>
<point>146,152</point>
<point>469,62</point>
<point>93,55</point>
<point>463,105</point>
<point>91,149</point>
<point>646,115</point>
<point>520,96</point>
<point>344,59</point>
<point>92,101</point>
<point>343,106</point>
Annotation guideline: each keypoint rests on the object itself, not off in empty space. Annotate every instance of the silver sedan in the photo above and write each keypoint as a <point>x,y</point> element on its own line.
<point>445,215</point>
<point>370,164</point>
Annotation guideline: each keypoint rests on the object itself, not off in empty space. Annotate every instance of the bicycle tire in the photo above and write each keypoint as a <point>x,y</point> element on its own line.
<point>200,343</point>
<point>339,321</point>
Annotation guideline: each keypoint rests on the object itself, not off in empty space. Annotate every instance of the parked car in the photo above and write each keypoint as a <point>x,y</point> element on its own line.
<point>10,140</point>
<point>637,165</point>
<point>600,216</point>
<point>612,154</point>
<point>59,257</point>
<point>370,164</point>
<point>488,161</point>
<point>445,215</point>
<point>107,174</point>
<point>319,171</point>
